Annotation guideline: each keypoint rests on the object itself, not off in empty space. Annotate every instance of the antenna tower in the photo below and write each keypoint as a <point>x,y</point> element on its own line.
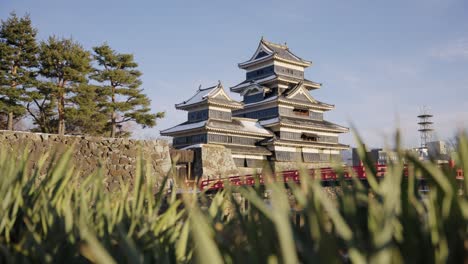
<point>425,126</point>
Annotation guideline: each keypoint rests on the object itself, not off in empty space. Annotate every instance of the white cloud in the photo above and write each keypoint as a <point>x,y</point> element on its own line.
<point>457,49</point>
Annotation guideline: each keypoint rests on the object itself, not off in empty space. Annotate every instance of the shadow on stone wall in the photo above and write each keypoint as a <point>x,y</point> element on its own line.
<point>117,156</point>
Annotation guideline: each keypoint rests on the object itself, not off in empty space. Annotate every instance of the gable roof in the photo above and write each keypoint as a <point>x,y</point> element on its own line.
<point>267,50</point>
<point>297,91</point>
<point>254,87</point>
<point>214,95</point>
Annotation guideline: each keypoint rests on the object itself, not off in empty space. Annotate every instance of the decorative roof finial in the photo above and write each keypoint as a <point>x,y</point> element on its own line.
<point>199,87</point>
<point>219,83</point>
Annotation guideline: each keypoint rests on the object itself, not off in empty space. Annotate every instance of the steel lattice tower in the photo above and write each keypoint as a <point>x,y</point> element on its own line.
<point>425,126</point>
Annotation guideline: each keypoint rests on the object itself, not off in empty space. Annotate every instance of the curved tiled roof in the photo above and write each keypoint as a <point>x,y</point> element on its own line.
<point>282,51</point>
<point>204,95</point>
<point>276,51</point>
<point>304,123</point>
<point>307,143</point>
<point>237,125</point>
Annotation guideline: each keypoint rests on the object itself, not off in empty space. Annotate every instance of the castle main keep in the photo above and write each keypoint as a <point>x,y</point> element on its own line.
<point>278,122</point>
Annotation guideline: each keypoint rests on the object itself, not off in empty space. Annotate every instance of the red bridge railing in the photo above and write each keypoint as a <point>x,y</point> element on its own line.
<point>325,174</point>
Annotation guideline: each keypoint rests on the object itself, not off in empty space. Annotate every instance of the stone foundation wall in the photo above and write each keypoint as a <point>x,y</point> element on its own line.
<point>214,161</point>
<point>117,156</point>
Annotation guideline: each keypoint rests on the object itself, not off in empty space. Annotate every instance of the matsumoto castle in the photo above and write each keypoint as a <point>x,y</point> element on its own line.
<point>278,120</point>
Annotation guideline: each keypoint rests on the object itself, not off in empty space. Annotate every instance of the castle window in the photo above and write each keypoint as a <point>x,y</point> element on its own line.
<point>287,71</point>
<point>316,115</point>
<point>301,112</point>
<point>310,137</point>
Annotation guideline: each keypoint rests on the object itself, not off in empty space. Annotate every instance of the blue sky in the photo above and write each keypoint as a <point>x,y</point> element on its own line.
<point>379,61</point>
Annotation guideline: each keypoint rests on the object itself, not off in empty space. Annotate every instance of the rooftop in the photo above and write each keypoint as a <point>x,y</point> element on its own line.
<point>237,125</point>
<point>304,123</point>
<point>214,94</point>
<point>267,50</point>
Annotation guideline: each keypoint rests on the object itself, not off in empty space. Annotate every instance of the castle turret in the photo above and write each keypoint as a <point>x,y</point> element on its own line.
<point>210,121</point>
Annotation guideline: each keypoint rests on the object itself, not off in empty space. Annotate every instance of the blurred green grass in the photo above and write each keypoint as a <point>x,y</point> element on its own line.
<point>59,219</point>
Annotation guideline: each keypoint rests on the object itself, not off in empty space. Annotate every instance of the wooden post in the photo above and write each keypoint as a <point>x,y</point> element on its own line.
<point>189,171</point>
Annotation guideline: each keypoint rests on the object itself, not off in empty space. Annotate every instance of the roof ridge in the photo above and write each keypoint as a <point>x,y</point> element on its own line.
<point>199,90</point>
<point>207,88</point>
<point>285,46</point>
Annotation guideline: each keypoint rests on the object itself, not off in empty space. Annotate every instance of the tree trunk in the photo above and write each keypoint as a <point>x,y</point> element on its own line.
<point>113,125</point>
<point>113,115</point>
<point>61,121</point>
<point>10,121</point>
<point>61,109</point>
<point>13,86</point>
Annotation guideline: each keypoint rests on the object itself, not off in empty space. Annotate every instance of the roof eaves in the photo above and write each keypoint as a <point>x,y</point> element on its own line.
<point>246,64</point>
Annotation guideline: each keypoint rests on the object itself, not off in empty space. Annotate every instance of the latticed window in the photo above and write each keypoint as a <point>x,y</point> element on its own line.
<point>290,135</point>
<point>243,141</point>
<point>331,139</point>
<point>316,115</point>
<point>180,140</point>
<point>198,115</point>
<point>310,157</point>
<point>199,139</point>
<point>288,156</point>
<point>261,114</point>
<point>219,138</point>
<point>222,115</point>
<point>319,157</point>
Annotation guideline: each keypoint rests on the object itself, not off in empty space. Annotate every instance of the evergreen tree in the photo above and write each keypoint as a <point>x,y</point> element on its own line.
<point>18,57</point>
<point>3,122</point>
<point>86,116</point>
<point>41,107</point>
<point>65,64</point>
<point>120,81</point>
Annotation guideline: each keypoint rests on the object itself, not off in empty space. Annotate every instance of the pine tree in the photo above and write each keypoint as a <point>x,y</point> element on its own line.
<point>18,57</point>
<point>86,115</point>
<point>3,122</point>
<point>65,64</point>
<point>120,81</point>
<point>41,107</point>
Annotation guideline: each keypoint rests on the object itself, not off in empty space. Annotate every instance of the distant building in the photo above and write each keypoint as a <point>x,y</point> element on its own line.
<point>383,157</point>
<point>437,150</point>
<point>278,120</point>
<point>355,157</point>
<point>377,155</point>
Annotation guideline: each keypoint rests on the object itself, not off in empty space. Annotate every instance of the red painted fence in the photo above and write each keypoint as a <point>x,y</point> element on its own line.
<point>325,174</point>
